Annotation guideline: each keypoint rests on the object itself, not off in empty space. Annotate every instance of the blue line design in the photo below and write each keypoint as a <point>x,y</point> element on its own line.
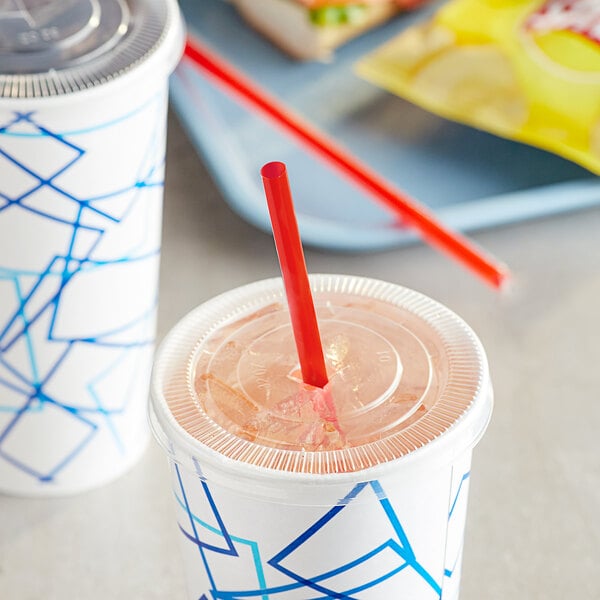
<point>4,130</point>
<point>28,342</point>
<point>230,549</point>
<point>98,339</point>
<point>463,479</point>
<point>389,511</point>
<point>251,544</point>
<point>11,386</point>
<point>107,417</point>
<point>400,546</point>
<point>13,370</point>
<point>222,531</point>
<point>23,412</point>
<point>318,525</point>
<point>15,419</point>
<point>377,581</point>
<point>404,548</point>
<point>449,572</point>
<point>193,524</point>
<point>38,292</point>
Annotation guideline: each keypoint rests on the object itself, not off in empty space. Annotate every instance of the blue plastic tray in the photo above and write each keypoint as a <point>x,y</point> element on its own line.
<point>470,178</point>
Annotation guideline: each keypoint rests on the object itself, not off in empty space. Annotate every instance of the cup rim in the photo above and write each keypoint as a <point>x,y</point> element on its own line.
<point>438,452</point>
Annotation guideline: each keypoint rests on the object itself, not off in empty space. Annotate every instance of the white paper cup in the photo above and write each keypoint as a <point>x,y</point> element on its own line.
<point>392,530</point>
<point>82,152</point>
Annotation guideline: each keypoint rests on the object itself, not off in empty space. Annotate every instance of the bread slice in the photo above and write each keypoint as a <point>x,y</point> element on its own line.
<point>287,24</point>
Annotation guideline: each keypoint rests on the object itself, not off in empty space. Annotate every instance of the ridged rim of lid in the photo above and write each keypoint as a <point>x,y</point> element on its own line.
<point>468,381</point>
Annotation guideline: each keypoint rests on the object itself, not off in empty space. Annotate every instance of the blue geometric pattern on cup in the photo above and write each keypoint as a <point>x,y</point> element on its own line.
<point>460,497</point>
<point>316,586</point>
<point>35,348</point>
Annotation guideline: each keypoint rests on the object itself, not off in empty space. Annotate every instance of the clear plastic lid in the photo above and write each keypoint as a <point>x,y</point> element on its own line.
<point>53,47</point>
<point>403,370</point>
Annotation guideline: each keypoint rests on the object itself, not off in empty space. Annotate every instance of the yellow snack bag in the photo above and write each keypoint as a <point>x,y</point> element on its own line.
<point>523,69</point>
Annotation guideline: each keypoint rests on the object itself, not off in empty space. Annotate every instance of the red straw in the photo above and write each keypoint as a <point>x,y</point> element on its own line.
<point>295,277</point>
<point>409,210</point>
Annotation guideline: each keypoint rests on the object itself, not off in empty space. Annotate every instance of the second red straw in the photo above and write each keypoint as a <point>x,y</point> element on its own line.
<point>410,211</point>
<point>293,271</point>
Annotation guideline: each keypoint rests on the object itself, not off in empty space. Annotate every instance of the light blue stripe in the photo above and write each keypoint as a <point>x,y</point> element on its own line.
<point>253,546</point>
<point>28,341</point>
<point>73,132</point>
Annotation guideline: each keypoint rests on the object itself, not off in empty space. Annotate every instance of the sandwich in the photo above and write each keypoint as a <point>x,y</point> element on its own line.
<point>312,29</point>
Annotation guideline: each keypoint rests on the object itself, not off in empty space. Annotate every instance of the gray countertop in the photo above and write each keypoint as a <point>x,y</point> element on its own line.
<point>533,529</point>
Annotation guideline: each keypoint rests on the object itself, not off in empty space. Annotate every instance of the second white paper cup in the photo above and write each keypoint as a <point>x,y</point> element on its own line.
<point>394,530</point>
<point>82,152</point>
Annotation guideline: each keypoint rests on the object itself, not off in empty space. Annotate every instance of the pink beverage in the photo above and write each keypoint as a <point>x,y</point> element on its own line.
<point>248,382</point>
<point>357,490</point>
